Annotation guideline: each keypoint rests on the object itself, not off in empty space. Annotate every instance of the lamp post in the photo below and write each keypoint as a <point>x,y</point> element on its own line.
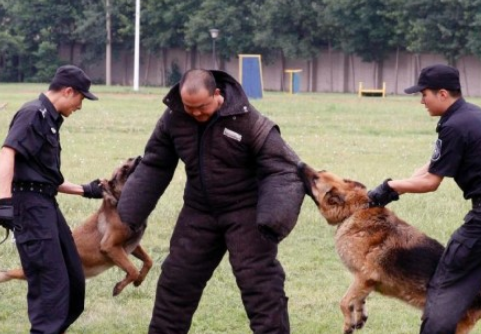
<point>214,33</point>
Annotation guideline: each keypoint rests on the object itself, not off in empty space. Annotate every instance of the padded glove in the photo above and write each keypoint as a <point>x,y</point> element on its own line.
<point>93,189</point>
<point>383,194</point>
<point>6,213</point>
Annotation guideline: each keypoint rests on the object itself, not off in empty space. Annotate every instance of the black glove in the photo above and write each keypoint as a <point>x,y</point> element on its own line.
<point>93,189</point>
<point>383,194</point>
<point>6,213</point>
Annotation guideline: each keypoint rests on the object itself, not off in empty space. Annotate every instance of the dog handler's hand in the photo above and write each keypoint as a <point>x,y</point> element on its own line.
<point>6,213</point>
<point>93,189</point>
<point>383,194</point>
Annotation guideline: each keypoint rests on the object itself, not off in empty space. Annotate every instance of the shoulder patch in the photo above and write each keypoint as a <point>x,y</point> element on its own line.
<point>437,150</point>
<point>43,111</point>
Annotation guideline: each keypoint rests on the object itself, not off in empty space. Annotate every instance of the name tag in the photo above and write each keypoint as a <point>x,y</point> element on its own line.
<point>232,134</point>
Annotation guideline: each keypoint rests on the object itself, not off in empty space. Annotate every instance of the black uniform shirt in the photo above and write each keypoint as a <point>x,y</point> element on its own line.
<point>457,151</point>
<point>34,135</point>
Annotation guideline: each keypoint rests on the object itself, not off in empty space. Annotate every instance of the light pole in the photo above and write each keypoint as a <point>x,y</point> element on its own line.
<point>137,45</point>
<point>214,33</point>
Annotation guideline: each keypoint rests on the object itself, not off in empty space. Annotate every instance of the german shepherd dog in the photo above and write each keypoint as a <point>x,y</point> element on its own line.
<point>103,240</point>
<point>384,253</point>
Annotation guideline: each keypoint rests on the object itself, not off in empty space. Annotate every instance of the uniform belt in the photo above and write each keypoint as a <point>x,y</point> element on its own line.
<point>476,201</point>
<point>34,187</point>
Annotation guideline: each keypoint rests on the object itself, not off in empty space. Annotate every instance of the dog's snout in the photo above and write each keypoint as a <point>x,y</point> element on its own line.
<point>134,165</point>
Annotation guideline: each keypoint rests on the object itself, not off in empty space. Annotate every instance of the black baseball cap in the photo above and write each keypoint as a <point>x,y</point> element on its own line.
<point>437,76</point>
<point>72,76</point>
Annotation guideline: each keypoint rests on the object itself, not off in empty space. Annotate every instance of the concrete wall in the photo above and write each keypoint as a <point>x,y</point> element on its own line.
<point>332,71</point>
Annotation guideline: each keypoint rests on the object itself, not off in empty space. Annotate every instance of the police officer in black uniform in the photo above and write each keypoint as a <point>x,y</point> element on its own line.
<point>30,177</point>
<point>457,154</point>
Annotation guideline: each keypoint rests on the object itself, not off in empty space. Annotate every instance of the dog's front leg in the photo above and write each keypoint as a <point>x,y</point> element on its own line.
<point>353,304</point>
<point>140,253</point>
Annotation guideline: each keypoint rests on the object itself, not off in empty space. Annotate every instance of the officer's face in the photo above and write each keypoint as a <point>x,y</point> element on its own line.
<point>72,101</point>
<point>434,101</point>
<point>201,105</point>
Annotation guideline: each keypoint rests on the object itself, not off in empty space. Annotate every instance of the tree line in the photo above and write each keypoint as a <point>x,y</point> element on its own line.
<point>32,31</point>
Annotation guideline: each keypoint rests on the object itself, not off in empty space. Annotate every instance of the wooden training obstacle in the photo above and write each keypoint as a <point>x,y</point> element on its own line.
<point>372,91</point>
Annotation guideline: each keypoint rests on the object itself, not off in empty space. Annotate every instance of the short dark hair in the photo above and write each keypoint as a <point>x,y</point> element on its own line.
<point>56,87</point>
<point>195,79</point>
<point>453,93</point>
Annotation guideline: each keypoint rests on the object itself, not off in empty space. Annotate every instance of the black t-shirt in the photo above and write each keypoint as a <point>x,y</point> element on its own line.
<point>457,151</point>
<point>34,135</point>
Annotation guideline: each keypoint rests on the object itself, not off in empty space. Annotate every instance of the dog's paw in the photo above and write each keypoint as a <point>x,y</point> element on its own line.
<point>117,289</point>
<point>137,282</point>
<point>360,324</point>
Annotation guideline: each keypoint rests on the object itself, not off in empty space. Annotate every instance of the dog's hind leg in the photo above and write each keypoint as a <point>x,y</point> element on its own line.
<point>353,304</point>
<point>7,275</point>
<point>140,253</point>
<point>120,257</point>
<point>112,246</point>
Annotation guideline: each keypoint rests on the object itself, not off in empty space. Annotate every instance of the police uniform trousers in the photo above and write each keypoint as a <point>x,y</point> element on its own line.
<point>197,246</point>
<point>457,280</point>
<point>56,282</point>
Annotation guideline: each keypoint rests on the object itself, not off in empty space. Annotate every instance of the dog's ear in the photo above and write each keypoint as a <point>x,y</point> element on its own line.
<point>334,197</point>
<point>356,184</point>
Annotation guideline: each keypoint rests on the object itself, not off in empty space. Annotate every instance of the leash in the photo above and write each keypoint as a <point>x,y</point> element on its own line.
<point>6,235</point>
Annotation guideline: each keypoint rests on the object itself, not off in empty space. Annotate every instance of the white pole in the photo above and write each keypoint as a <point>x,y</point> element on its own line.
<point>108,48</point>
<point>137,45</point>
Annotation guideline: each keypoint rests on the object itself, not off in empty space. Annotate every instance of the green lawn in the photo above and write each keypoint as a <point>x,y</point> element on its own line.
<point>367,139</point>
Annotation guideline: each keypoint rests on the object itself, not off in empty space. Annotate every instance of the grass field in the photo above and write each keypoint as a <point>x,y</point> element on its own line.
<point>367,139</point>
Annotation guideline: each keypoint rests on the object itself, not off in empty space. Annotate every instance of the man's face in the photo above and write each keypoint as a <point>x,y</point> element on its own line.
<point>72,101</point>
<point>201,105</point>
<point>434,101</point>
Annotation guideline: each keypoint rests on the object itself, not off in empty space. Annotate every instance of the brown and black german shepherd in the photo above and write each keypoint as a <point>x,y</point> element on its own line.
<point>103,240</point>
<point>384,253</point>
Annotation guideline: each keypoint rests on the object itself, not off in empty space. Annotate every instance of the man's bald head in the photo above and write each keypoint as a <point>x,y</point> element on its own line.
<point>194,80</point>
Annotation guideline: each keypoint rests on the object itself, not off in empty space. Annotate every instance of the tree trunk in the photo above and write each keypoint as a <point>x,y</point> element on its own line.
<point>147,68</point>
<point>71,52</point>
<point>351,61</point>
<point>193,57</point>
<point>314,75</point>
<point>164,55</point>
<point>283,68</point>
<point>331,74</point>
<point>380,73</point>
<point>465,78</point>
<point>396,72</point>
<point>345,84</point>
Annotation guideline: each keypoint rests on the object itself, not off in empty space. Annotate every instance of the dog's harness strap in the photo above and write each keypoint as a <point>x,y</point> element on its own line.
<point>47,189</point>
<point>476,201</point>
